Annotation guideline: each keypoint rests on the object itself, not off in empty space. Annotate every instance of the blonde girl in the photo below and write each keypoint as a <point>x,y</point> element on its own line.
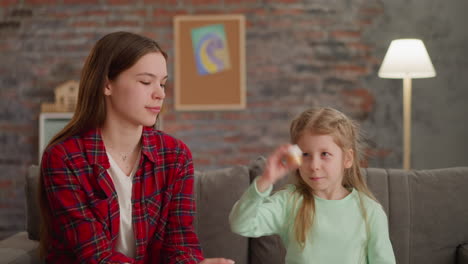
<point>328,215</point>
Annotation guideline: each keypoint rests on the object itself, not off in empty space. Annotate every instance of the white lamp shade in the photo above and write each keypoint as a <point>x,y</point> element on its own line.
<point>407,58</point>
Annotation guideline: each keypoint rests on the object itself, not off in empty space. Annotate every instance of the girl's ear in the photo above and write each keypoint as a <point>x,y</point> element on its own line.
<point>107,88</point>
<point>348,158</point>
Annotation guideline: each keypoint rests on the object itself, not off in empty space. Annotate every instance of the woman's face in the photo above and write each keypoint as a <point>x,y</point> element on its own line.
<point>136,96</point>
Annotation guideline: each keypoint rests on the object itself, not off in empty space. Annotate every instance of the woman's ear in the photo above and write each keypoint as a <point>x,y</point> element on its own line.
<point>348,158</point>
<point>107,88</point>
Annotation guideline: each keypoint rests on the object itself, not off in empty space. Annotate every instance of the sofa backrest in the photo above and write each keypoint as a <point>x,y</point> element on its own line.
<point>216,191</point>
<point>427,211</point>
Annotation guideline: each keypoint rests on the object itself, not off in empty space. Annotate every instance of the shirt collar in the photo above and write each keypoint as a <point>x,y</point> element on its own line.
<point>150,144</point>
<point>96,151</point>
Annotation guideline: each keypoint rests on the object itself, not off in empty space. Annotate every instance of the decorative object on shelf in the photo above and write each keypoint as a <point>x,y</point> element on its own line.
<point>406,59</point>
<point>66,95</point>
<point>55,116</point>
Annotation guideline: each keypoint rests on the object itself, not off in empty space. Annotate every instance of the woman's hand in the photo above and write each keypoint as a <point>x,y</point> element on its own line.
<point>217,261</point>
<point>275,168</point>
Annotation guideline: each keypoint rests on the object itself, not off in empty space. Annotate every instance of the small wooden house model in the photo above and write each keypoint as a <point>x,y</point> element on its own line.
<point>66,95</point>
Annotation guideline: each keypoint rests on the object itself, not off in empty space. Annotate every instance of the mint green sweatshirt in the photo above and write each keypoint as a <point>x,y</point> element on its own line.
<point>338,234</point>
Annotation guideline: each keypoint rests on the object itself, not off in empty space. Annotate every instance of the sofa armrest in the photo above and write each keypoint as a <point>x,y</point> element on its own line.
<point>462,254</point>
<point>19,249</point>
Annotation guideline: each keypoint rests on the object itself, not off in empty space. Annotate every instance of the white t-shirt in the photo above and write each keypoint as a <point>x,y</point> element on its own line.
<point>123,185</point>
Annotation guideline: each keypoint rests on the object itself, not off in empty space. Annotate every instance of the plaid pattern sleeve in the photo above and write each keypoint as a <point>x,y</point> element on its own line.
<point>181,244</point>
<point>74,229</point>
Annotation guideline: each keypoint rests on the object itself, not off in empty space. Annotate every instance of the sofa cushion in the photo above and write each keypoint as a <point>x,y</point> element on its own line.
<point>426,209</point>
<point>266,249</point>
<point>390,187</point>
<point>462,254</point>
<point>32,202</point>
<point>19,249</point>
<point>216,191</point>
<point>378,184</point>
<point>438,214</point>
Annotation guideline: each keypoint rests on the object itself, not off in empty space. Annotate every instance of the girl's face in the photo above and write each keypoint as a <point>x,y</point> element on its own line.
<point>135,97</point>
<point>323,164</point>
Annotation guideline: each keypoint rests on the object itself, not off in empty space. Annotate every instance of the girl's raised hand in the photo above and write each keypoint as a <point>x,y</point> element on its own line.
<point>276,167</point>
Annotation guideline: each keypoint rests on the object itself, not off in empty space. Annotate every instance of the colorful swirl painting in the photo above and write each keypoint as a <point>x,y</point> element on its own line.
<point>211,49</point>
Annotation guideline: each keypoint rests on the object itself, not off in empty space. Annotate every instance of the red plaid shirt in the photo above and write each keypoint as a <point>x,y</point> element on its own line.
<point>85,210</point>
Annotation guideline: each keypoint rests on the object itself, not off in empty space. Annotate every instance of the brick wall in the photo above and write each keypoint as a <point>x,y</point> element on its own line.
<point>298,54</point>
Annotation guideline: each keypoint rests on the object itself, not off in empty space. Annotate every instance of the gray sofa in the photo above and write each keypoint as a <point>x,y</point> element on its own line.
<point>427,210</point>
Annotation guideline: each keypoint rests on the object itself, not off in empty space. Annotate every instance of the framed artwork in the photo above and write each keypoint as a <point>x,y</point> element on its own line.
<point>209,62</point>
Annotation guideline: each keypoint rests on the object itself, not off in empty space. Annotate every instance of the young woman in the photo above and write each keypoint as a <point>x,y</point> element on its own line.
<point>329,215</point>
<point>114,189</point>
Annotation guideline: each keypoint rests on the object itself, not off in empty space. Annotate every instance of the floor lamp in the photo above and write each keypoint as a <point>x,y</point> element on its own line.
<point>406,59</point>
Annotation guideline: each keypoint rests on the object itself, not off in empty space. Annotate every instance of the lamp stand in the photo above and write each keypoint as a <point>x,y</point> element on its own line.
<point>406,123</point>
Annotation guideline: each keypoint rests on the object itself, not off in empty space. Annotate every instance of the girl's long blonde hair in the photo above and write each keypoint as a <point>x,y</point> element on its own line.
<point>112,54</point>
<point>345,132</point>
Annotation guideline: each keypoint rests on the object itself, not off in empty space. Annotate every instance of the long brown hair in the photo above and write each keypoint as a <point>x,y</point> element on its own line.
<point>110,56</point>
<point>345,133</point>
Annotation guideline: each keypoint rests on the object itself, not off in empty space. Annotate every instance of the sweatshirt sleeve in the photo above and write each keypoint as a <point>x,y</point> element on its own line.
<point>258,214</point>
<point>380,249</point>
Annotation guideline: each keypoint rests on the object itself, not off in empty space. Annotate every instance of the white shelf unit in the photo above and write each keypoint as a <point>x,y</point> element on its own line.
<point>49,125</point>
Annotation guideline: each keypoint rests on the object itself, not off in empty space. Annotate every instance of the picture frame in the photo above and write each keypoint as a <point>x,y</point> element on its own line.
<point>209,62</point>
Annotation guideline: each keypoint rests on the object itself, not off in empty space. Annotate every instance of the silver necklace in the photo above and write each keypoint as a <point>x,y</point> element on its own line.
<point>124,155</point>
